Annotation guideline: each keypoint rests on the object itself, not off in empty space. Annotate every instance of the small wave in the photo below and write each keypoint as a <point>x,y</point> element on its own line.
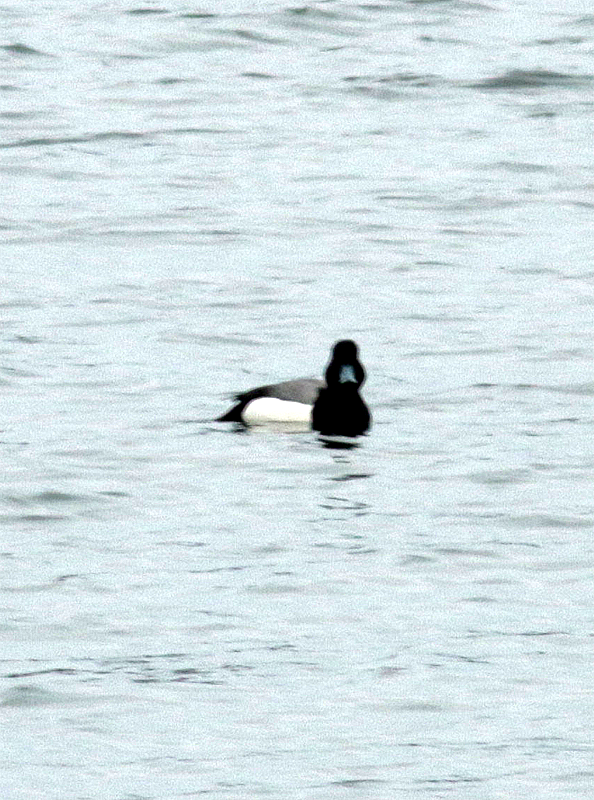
<point>587,21</point>
<point>389,87</point>
<point>198,15</point>
<point>50,496</point>
<point>407,78</point>
<point>23,50</point>
<point>530,79</point>
<point>93,137</point>
<point>499,477</point>
<point>252,36</point>
<point>558,40</point>
<point>360,783</point>
<point>538,521</point>
<point>11,519</point>
<point>522,167</point>
<point>30,696</point>
<point>585,389</point>
<point>139,12</point>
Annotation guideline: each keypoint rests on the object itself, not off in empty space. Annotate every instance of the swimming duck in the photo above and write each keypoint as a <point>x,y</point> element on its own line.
<point>333,407</point>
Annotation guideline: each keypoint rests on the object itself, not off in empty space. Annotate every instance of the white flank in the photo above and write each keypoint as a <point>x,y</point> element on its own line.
<point>263,410</point>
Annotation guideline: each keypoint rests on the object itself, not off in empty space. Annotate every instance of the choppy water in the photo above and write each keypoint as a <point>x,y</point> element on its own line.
<point>200,197</point>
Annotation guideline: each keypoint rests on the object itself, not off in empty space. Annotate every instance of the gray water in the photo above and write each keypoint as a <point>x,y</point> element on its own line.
<point>201,197</point>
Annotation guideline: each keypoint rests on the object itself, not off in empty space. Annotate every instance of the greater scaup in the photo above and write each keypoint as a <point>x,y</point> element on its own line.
<point>333,407</point>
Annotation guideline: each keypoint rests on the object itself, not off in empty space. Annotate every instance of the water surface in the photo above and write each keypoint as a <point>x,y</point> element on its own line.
<point>201,198</point>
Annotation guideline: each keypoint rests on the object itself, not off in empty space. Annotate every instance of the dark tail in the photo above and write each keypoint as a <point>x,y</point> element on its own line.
<point>233,415</point>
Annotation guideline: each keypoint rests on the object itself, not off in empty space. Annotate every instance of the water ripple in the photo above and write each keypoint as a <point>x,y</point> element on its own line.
<point>532,79</point>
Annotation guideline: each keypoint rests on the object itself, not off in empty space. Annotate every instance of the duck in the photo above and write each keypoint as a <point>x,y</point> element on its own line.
<point>333,406</point>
